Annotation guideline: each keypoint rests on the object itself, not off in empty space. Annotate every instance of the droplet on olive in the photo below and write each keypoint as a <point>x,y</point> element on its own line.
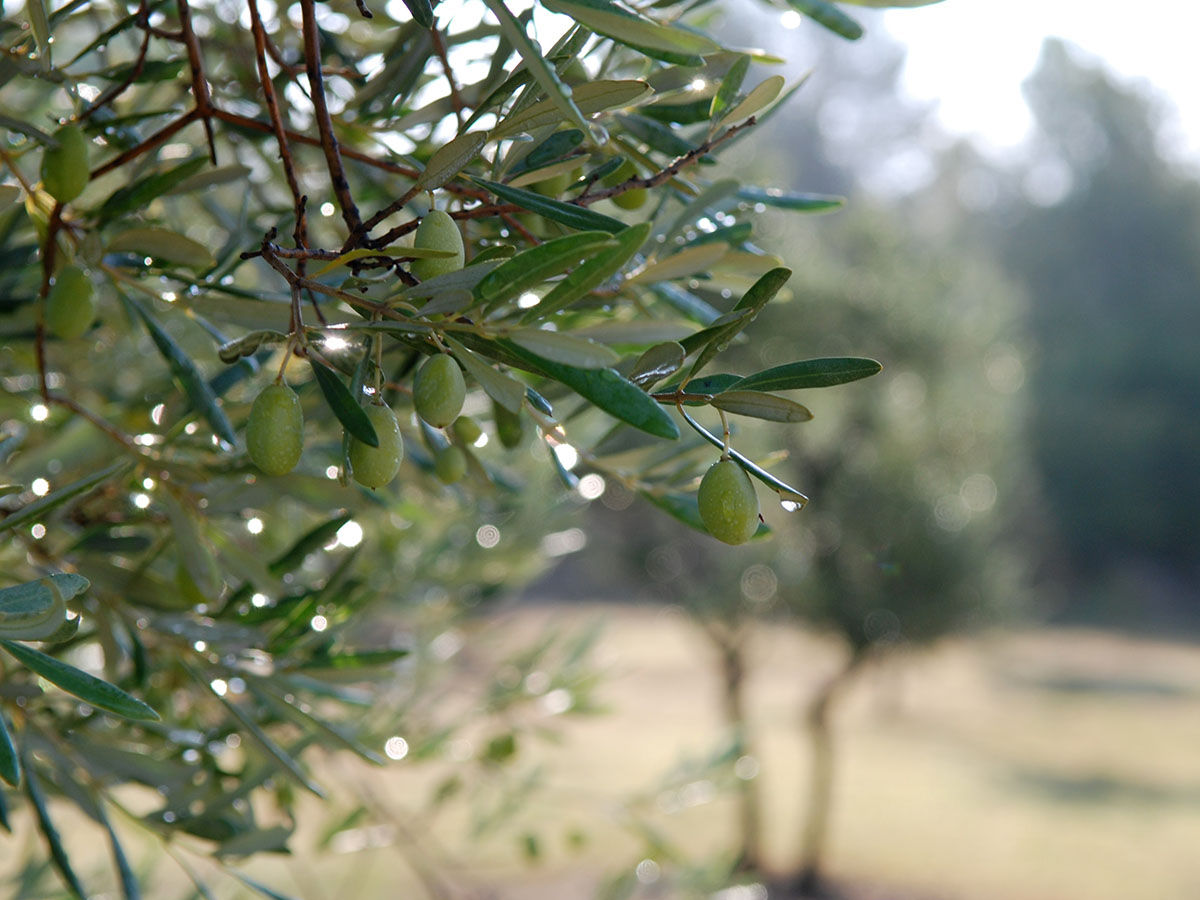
<point>376,466</point>
<point>438,231</point>
<point>439,390</point>
<point>65,168</point>
<point>275,430</point>
<point>70,309</point>
<point>728,503</point>
<point>450,464</point>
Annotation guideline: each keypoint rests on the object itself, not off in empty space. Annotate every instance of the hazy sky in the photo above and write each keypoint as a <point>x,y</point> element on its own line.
<point>972,55</point>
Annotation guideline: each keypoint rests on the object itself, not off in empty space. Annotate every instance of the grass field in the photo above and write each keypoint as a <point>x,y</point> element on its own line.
<point>1045,766</point>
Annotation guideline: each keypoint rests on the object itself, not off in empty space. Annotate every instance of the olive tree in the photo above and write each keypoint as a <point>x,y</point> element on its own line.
<point>284,290</point>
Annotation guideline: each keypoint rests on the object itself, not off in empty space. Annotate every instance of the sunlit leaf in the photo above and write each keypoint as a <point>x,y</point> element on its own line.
<point>810,373</point>
<point>593,97</point>
<point>573,216</point>
<point>565,348</point>
<point>531,52</point>
<point>829,16</point>
<point>686,262</point>
<point>58,853</point>
<point>761,405</point>
<point>450,159</point>
<point>659,362</point>
<point>593,273</point>
<point>637,31</point>
<point>312,540</point>
<point>161,243</point>
<point>249,344</point>
<point>83,685</point>
<point>137,196</point>
<point>34,511</point>
<point>762,96</point>
<point>608,390</point>
<point>348,411</point>
<point>792,200</point>
<point>10,764</point>
<point>193,382</point>
<point>506,391</point>
<point>730,85</point>
<point>531,267</point>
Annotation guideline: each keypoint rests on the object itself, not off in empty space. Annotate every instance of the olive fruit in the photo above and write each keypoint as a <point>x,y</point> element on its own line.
<point>275,430</point>
<point>728,503</point>
<point>438,231</point>
<point>69,306</point>
<point>467,430</point>
<point>65,170</point>
<point>438,390</point>
<point>552,186</point>
<point>634,198</point>
<point>375,466</point>
<point>450,464</point>
<point>510,427</point>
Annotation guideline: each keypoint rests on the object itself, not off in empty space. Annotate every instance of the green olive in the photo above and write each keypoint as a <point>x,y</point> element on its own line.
<point>275,430</point>
<point>467,430</point>
<point>70,309</point>
<point>438,231</point>
<point>376,466</point>
<point>634,198</point>
<point>450,464</point>
<point>552,186</point>
<point>439,390</point>
<point>728,503</point>
<point>510,427</point>
<point>65,170</point>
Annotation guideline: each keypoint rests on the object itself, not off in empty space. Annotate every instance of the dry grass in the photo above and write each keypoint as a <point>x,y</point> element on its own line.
<point>1048,766</point>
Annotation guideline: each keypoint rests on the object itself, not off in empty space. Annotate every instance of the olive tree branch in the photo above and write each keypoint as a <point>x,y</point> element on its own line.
<point>329,142</point>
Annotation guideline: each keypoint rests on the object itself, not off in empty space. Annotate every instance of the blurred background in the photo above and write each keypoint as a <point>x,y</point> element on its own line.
<point>967,669</point>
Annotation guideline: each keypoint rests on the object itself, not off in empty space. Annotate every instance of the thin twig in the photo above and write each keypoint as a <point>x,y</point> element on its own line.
<point>159,137</point>
<point>329,143</point>
<point>456,99</point>
<point>200,91</point>
<point>285,153</point>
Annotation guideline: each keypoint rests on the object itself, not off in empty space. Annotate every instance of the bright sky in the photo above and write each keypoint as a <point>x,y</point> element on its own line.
<point>972,55</point>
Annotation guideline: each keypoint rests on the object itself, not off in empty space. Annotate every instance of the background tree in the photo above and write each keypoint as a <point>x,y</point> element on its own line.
<point>1104,238</point>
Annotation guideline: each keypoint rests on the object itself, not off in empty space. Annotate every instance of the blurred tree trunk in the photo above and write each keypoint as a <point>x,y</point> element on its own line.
<point>730,642</point>
<point>821,775</point>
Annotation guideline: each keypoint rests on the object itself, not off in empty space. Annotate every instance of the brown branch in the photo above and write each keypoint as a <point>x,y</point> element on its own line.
<point>285,152</point>
<point>394,207</point>
<point>349,153</point>
<point>329,143</point>
<point>669,172</point>
<point>103,424</point>
<point>159,137</point>
<point>456,99</point>
<point>200,91</point>
<point>112,93</point>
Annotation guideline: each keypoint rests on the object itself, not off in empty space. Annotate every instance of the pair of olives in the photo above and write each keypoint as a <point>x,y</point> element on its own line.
<point>275,430</point>
<point>728,503</point>
<point>275,438</point>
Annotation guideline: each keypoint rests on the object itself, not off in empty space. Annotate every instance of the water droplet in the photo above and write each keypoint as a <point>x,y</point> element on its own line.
<point>599,133</point>
<point>792,502</point>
